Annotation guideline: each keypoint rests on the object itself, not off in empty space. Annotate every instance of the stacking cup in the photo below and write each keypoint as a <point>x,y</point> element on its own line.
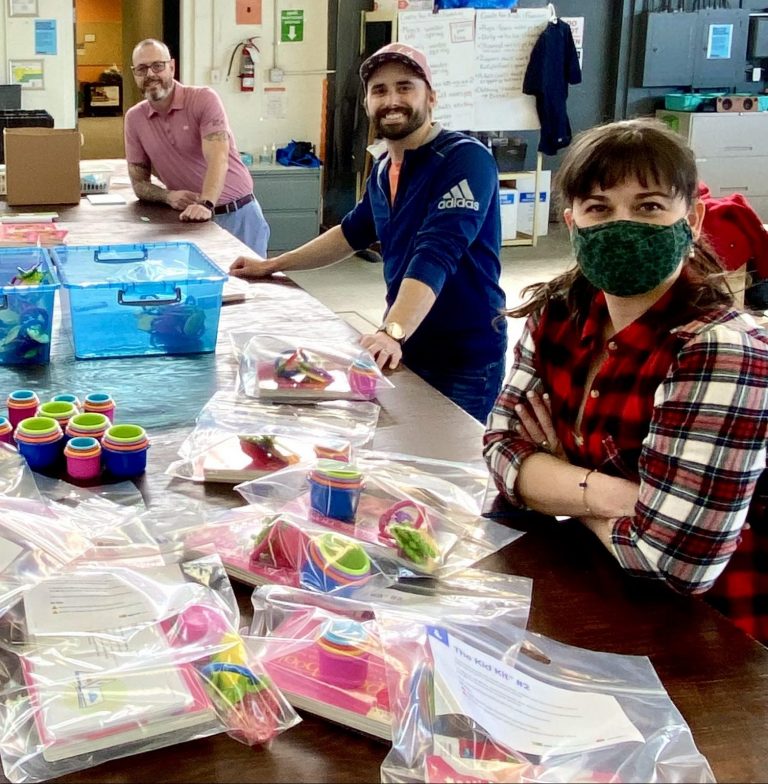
<point>363,378</point>
<point>124,450</point>
<point>6,431</point>
<point>83,454</point>
<point>342,653</point>
<point>334,490</point>
<point>101,403</point>
<point>66,397</point>
<point>39,440</point>
<point>60,410</point>
<point>335,563</point>
<point>90,424</point>
<point>22,404</point>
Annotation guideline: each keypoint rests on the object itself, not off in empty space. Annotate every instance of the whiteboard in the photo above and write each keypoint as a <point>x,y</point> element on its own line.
<point>478,60</point>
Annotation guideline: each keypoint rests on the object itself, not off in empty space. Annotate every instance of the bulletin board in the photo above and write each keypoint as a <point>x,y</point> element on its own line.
<point>478,60</point>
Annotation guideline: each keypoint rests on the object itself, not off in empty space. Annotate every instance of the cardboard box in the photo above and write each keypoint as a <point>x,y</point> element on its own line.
<point>524,184</point>
<point>508,199</point>
<point>42,165</point>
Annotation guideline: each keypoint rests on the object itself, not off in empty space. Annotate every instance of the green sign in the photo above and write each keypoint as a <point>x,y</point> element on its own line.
<point>291,26</point>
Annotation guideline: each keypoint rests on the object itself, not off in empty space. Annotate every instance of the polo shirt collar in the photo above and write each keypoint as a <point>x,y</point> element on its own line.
<point>177,101</point>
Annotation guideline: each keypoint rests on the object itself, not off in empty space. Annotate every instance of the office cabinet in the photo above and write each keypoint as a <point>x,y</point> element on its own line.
<point>731,151</point>
<point>291,200</point>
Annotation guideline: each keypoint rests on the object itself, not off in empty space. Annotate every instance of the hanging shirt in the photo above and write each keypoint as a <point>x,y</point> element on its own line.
<point>554,64</point>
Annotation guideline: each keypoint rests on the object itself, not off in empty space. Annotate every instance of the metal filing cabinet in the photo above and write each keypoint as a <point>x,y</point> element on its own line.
<point>291,199</point>
<point>731,151</point>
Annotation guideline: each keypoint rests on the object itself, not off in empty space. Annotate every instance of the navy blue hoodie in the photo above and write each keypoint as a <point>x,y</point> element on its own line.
<point>444,230</point>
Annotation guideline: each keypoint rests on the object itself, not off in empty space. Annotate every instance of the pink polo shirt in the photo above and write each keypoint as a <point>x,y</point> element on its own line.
<point>172,145</point>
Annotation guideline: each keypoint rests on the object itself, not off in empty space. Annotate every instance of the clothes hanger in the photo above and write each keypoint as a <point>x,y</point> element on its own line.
<point>552,13</point>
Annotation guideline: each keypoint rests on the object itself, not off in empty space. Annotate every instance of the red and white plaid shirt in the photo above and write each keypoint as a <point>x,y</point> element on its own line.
<point>680,405</point>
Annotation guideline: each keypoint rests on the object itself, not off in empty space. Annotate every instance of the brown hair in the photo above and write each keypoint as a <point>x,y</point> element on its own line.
<point>647,150</point>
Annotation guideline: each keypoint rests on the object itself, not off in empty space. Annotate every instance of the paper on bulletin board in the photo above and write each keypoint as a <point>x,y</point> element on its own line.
<point>478,61</point>
<point>504,44</point>
<point>45,36</point>
<point>275,103</point>
<point>448,40</point>
<point>719,42</point>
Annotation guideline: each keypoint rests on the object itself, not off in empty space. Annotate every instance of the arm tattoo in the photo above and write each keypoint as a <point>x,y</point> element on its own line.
<point>142,187</point>
<point>217,136</point>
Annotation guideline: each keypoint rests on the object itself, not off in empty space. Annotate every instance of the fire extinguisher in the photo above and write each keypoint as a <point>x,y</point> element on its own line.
<point>248,58</point>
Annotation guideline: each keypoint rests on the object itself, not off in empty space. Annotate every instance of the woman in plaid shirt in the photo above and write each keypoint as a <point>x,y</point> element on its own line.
<point>638,396</point>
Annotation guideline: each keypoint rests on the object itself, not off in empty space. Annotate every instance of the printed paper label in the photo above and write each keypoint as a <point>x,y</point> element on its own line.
<point>519,711</point>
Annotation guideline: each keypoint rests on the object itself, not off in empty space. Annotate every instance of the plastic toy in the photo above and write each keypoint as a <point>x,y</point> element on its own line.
<point>405,524</point>
<point>300,368</point>
<point>31,277</point>
<point>335,489</point>
<point>245,700</point>
<point>266,452</point>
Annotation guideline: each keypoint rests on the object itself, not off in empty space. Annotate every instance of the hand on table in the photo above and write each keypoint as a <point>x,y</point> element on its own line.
<point>383,348</point>
<point>196,213</point>
<point>250,267</point>
<point>180,200</point>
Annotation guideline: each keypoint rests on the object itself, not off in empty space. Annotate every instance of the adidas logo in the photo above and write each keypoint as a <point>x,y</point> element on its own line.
<point>459,196</point>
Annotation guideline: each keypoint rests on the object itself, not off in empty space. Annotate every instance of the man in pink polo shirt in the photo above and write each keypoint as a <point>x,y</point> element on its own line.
<point>182,135</point>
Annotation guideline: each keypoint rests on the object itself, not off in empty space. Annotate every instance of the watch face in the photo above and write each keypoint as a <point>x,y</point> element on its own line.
<point>394,330</point>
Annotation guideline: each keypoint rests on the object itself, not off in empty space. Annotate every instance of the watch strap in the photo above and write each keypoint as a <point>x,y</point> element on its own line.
<point>388,327</point>
<point>208,205</point>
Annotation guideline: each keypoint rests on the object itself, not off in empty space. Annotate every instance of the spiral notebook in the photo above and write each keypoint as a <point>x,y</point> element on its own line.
<point>94,690</point>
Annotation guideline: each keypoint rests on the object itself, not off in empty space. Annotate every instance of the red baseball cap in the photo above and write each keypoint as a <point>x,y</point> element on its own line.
<point>409,56</point>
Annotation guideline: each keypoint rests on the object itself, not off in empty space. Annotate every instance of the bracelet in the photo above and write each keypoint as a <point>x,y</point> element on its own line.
<point>584,487</point>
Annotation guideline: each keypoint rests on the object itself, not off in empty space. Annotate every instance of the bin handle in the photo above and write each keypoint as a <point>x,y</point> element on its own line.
<point>120,256</point>
<point>121,300</point>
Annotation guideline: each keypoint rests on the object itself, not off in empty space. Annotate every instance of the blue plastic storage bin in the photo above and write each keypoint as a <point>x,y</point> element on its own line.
<point>26,311</point>
<point>138,300</point>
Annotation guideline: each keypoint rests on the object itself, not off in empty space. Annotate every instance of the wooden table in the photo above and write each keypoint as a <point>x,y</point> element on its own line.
<point>716,675</point>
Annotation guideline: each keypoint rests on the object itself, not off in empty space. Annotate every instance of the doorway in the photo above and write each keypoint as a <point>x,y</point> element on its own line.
<point>105,34</point>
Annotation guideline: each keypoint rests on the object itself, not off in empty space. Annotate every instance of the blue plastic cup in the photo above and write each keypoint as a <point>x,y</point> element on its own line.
<point>40,441</point>
<point>338,503</point>
<point>124,464</point>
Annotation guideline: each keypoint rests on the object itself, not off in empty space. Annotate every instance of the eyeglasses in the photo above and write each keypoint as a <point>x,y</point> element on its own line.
<point>156,67</point>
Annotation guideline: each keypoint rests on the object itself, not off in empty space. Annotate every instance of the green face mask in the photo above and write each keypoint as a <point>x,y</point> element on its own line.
<point>625,258</point>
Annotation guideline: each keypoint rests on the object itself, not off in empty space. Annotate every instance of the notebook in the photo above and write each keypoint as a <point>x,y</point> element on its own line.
<point>94,690</point>
<point>294,668</point>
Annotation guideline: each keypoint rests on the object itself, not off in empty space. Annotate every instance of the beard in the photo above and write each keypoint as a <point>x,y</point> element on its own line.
<point>412,120</point>
<point>156,89</point>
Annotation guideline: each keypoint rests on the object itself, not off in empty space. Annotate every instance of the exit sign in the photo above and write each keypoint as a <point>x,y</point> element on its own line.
<point>291,26</point>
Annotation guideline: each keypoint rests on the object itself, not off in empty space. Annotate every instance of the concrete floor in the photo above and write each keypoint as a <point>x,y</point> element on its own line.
<point>355,288</point>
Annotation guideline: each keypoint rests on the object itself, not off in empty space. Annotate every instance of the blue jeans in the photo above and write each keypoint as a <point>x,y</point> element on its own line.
<point>474,390</point>
<point>248,225</point>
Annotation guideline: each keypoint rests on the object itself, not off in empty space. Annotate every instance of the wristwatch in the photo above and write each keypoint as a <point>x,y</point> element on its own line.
<point>208,205</point>
<point>394,330</point>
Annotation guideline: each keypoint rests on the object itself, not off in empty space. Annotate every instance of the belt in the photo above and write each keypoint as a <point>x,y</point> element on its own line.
<point>233,206</point>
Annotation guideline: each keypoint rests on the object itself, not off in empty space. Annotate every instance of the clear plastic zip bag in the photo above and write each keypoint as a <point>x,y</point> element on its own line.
<point>426,514</point>
<point>303,367</point>
<point>238,438</point>
<point>258,547</point>
<point>108,661</point>
<point>470,705</point>
<point>324,651</point>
